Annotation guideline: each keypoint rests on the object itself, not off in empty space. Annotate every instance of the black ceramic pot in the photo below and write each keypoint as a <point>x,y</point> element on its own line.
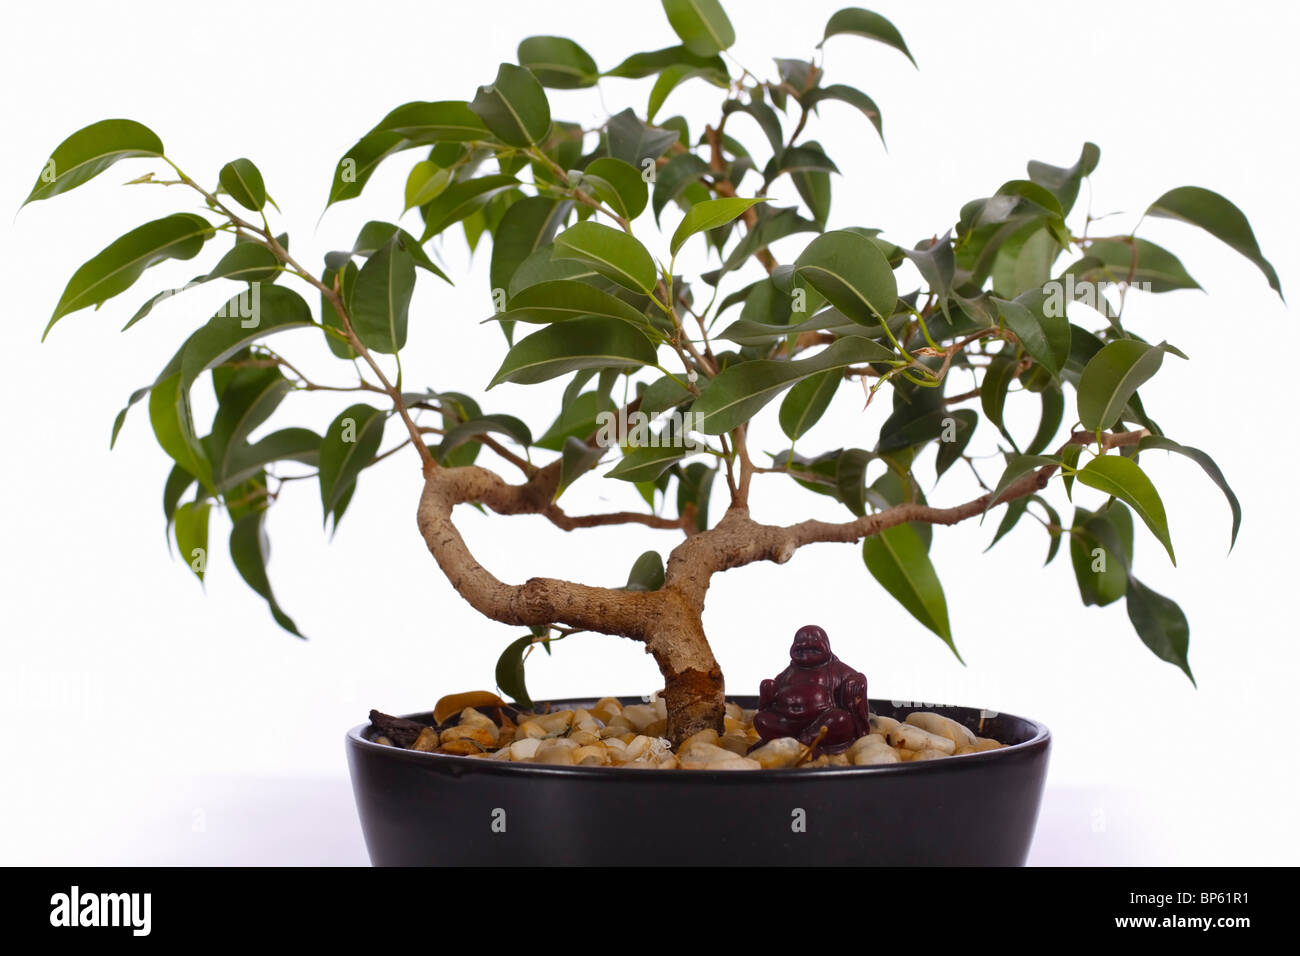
<point>977,809</point>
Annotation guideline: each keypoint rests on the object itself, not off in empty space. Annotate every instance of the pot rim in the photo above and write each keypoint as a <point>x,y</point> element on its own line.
<point>1040,740</point>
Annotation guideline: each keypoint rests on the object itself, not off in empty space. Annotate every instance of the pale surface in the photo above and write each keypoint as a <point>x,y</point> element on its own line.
<point>129,696</point>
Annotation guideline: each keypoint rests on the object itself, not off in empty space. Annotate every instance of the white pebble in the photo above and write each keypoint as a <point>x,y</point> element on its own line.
<point>912,737</point>
<point>960,735</point>
<point>778,753</point>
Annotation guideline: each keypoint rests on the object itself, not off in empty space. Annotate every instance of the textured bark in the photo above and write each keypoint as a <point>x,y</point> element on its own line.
<point>693,684</point>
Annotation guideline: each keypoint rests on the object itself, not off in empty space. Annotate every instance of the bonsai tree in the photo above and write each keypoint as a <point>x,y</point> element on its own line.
<point>1019,300</point>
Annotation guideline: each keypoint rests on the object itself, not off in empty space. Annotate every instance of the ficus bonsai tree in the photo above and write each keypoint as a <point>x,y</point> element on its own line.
<point>665,373</point>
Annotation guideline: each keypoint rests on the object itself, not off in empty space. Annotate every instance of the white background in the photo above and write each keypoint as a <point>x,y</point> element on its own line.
<point>147,722</point>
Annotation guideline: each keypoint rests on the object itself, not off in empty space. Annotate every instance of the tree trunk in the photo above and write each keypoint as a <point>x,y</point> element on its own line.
<point>693,685</point>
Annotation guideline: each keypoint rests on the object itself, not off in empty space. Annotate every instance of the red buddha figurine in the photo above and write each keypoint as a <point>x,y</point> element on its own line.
<point>817,690</point>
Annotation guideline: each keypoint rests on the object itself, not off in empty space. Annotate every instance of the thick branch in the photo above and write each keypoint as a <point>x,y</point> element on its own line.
<point>538,601</point>
<point>667,623</point>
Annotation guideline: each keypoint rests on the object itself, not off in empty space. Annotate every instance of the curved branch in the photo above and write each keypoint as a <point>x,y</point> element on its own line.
<point>738,540</point>
<point>566,522</point>
<point>538,601</point>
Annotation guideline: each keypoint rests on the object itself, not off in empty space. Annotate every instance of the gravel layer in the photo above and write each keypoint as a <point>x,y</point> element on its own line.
<point>611,734</point>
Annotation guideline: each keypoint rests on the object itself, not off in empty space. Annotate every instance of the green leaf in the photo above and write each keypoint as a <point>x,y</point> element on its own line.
<point>851,478</point>
<point>459,200</point>
<point>852,273</point>
<point>192,535</point>
<point>1054,532</point>
<point>1069,464</point>
<point>243,181</point>
<point>619,185</point>
<point>1220,218</point>
<point>962,430</point>
<point>1046,337</point>
<point>807,157</point>
<point>739,391</point>
<point>919,416</point>
<point>376,235</point>
<point>1110,532</point>
<point>563,299</point>
<point>120,420</point>
<point>647,462</point>
<point>663,394</point>
<point>527,226</point>
<point>1161,624</point>
<point>999,375</point>
<point>702,25</point>
<point>424,183</point>
<point>358,164</point>
<point>248,551</point>
<point>1031,198</point>
<point>483,425</point>
<point>937,266</point>
<point>1024,261</point>
<point>807,402</point>
<point>611,252</point>
<point>514,107</point>
<point>1053,413</point>
<point>243,319</point>
<point>1208,464</point>
<point>350,444</point>
<point>288,444</point>
<point>568,346</point>
<point>91,150</point>
<point>640,65</point>
<point>709,215</point>
<point>178,482</point>
<point>381,298</point>
<point>694,488</point>
<point>1064,182</point>
<point>1111,378</point>
<point>344,278</point>
<point>673,178</point>
<point>510,671</point>
<point>674,76</point>
<point>247,400</point>
<point>576,460</point>
<point>763,115</point>
<point>634,142</point>
<point>1117,260</point>
<point>558,62</point>
<point>897,558</point>
<point>814,189</point>
<point>245,262</point>
<point>115,269</point>
<point>410,125</point>
<point>173,426</point>
<point>847,94</point>
<point>647,573</point>
<point>541,267</point>
<point>443,121</point>
<point>578,418</point>
<point>864,23</point>
<point>1121,477</point>
<point>1018,466</point>
<point>1016,509</point>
